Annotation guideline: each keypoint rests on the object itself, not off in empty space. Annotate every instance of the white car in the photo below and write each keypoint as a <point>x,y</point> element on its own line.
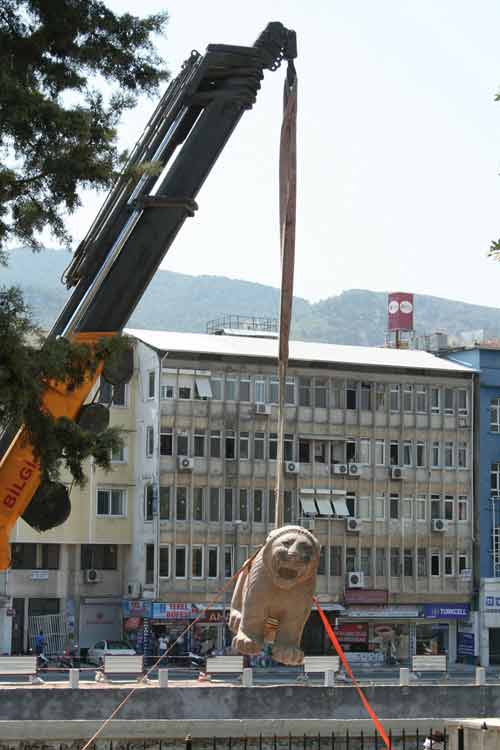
<point>101,649</point>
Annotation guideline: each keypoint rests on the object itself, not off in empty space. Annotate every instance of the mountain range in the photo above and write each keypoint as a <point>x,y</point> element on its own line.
<point>179,302</point>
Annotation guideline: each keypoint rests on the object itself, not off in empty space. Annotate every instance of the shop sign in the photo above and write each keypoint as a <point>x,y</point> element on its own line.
<point>352,632</point>
<point>465,644</point>
<point>132,623</point>
<point>395,613</point>
<point>446,611</point>
<point>136,608</point>
<point>39,575</point>
<point>168,611</point>
<point>212,616</point>
<point>365,596</point>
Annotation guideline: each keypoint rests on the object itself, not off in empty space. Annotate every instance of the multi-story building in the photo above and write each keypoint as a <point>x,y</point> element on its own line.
<point>378,461</point>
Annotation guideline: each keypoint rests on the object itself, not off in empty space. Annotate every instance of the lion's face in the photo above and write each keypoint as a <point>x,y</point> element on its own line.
<point>292,558</point>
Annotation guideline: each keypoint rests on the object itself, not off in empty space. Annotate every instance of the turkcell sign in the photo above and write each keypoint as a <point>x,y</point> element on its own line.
<point>446,611</point>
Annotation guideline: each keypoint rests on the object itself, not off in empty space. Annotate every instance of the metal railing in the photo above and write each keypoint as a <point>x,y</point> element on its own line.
<point>243,323</point>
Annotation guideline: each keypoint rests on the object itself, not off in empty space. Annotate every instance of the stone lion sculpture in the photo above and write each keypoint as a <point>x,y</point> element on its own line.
<point>273,595</point>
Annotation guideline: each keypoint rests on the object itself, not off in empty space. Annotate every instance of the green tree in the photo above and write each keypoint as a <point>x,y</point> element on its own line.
<point>68,71</point>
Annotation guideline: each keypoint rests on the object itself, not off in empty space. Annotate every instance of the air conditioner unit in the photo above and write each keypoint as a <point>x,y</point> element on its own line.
<point>463,421</point>
<point>308,523</point>
<point>355,580</point>
<point>353,470</point>
<point>352,524</point>
<point>184,463</point>
<point>397,472</point>
<point>263,409</point>
<point>340,469</point>
<point>292,468</point>
<point>134,589</point>
<point>93,576</point>
<point>439,524</point>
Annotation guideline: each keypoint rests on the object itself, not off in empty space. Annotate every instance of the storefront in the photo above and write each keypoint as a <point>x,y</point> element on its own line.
<point>209,632</point>
<point>135,614</point>
<point>171,619</point>
<point>315,641</point>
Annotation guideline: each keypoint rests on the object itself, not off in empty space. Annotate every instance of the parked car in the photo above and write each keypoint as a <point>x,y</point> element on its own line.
<point>99,650</point>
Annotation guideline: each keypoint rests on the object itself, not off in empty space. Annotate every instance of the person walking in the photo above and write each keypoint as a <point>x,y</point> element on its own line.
<point>162,645</point>
<point>39,643</point>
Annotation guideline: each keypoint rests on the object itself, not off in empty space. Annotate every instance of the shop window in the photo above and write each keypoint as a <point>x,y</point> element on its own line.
<point>228,561</point>
<point>164,561</point>
<point>199,443</point>
<point>408,562</point>
<point>449,401</point>
<point>407,453</point>
<point>394,506</point>
<point>422,562</point>
<point>230,445</point>
<point>182,444</point>
<point>380,397</point>
<point>215,444</point>
<point>198,504</point>
<point>448,565</point>
<point>197,561</point>
<point>351,395</point>
<point>304,391</point>
<point>181,503</point>
<point>336,560</point>
<point>150,441</point>
<point>380,562</point>
<point>351,560</point>
<point>435,400</point>
<point>165,504</point>
<point>408,398</point>
<point>99,556</point>
<point>449,502</point>
<point>394,453</point>
<point>435,564</point>
<point>380,452</point>
<point>150,563</point>
<point>151,384</point>
<point>258,506</point>
<point>366,561</point>
<point>259,446</point>
<point>304,451</point>
<point>420,455</point>
<point>420,399</point>
<point>288,514</point>
<point>245,388</point>
<point>180,561</point>
<point>213,561</point>
<point>243,507</point>
<point>432,639</point>
<point>395,397</point>
<point>322,561</point>
<point>273,446</point>
<point>288,445</point>
<point>228,504</point>
<point>395,562</point>
<point>214,504</point>
<point>244,446</point>
<point>166,442</point>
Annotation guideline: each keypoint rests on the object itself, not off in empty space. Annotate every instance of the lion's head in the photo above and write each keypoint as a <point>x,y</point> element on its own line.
<point>291,554</point>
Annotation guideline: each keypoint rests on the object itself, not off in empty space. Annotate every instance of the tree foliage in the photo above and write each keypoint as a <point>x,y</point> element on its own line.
<point>68,71</point>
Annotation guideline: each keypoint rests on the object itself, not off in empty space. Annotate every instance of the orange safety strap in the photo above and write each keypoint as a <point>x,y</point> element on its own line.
<point>338,648</point>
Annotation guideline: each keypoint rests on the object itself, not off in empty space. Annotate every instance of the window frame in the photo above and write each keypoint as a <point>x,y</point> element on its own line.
<point>184,547</point>
<point>201,548</point>
<point>110,490</point>
<point>169,561</point>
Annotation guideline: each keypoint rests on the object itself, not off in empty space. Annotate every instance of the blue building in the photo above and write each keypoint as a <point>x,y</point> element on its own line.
<point>486,360</point>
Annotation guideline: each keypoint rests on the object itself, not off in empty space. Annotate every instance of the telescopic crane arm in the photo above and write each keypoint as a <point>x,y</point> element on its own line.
<point>139,221</point>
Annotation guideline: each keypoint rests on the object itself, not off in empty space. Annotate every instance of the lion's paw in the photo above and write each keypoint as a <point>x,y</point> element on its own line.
<point>234,620</point>
<point>245,645</point>
<point>288,655</point>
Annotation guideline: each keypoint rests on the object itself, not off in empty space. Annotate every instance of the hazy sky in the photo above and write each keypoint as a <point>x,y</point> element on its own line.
<point>399,147</point>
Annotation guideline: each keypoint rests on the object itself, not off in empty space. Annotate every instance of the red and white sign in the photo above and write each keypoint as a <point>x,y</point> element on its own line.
<point>352,632</point>
<point>400,311</point>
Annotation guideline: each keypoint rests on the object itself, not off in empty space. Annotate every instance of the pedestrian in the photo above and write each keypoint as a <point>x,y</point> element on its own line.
<point>162,645</point>
<point>435,741</point>
<point>39,643</point>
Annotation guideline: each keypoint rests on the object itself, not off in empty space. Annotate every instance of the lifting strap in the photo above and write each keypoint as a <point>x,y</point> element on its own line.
<point>338,648</point>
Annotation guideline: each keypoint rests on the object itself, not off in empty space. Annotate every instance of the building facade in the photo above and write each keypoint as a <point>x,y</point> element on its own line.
<point>378,456</point>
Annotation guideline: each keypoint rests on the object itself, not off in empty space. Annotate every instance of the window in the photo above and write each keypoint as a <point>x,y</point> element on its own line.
<point>290,391</point>
<point>114,395</point>
<point>449,502</point>
<point>366,396</point>
<point>181,501</point>
<point>380,562</point>
<point>215,444</point>
<point>202,387</point>
<point>322,561</point>
<point>228,561</point>
<point>228,504</point>
<point>197,503</point>
<point>366,561</point>
<point>150,441</point>
<point>395,397</point>
<point>462,455</point>
<point>213,562</point>
<point>449,401</point>
<point>407,453</point>
<point>231,389</point>
<point>150,563</point>
<point>185,393</point>
<point>164,503</point>
<point>214,504</point>
<point>99,556</point>
<point>243,506</point>
<point>436,454</point>
<point>180,561</point>
<point>448,454</point>
<point>149,502</point>
<point>230,445</point>
<point>408,508</point>
<point>288,452</point>
<point>495,415</point>
<point>394,453</point>
<point>462,563</point>
<point>394,506</point>
<point>304,451</point>
<point>350,451</point>
<point>395,562</point>
<point>197,561</point>
<point>420,455</point>
<point>182,444</point>
<point>259,446</point>
<point>408,563</point>
<point>245,388</point>
<point>448,565</point>
<point>380,508</point>
<point>462,401</point>
<point>320,452</point>
<point>166,442</point>
<point>39,556</point>
<point>337,393</point>
<point>336,560</point>
<point>273,446</point>
<point>260,390</point>
<point>244,446</point>
<point>274,390</point>
<point>257,506</point>
<point>151,384</point>
<point>271,511</point>
<point>422,562</point>
<point>435,400</point>
<point>167,392</point>
<point>421,507</point>
<point>351,395</point>
<point>350,501</point>
<point>216,384</point>
<point>199,443</point>
<point>321,393</point>
<point>118,454</point>
<point>364,451</point>
<point>380,452</point>
<point>288,515</point>
<point>462,508</point>
<point>435,564</point>
<point>380,397</point>
<point>436,507</point>
<point>111,502</point>
<point>351,560</point>
<point>495,480</point>
<point>164,561</point>
<point>421,399</point>
<point>364,509</point>
<point>408,398</point>
<point>304,391</point>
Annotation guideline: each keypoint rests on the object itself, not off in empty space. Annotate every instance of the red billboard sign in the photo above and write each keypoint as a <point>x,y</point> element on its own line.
<point>352,632</point>
<point>400,311</point>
